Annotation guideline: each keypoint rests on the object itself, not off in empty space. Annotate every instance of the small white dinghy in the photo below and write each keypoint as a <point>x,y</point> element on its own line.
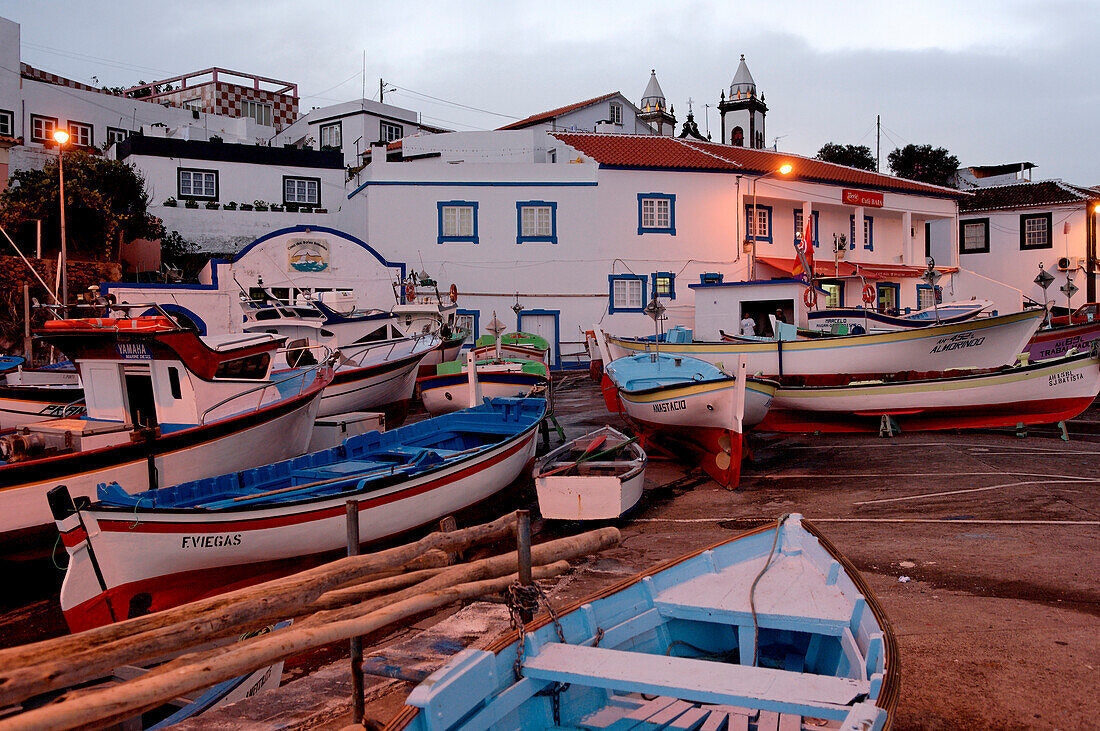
<point>594,477</point>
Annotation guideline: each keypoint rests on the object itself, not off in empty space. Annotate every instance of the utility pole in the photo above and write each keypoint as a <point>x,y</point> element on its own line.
<point>381,89</point>
<point>878,143</point>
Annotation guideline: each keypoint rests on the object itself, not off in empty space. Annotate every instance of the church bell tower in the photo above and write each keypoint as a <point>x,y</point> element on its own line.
<point>743,111</point>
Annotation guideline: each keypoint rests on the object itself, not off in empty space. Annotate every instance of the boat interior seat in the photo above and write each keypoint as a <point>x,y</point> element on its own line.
<point>637,712</point>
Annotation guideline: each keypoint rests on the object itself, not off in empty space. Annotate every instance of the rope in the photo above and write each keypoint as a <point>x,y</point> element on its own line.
<point>53,554</point>
<point>752,589</point>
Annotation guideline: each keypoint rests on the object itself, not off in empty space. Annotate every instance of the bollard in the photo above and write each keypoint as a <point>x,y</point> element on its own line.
<point>352,508</point>
<point>523,551</point>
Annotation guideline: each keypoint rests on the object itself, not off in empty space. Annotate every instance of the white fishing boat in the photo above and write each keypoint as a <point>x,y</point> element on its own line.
<point>163,404</point>
<point>28,395</point>
<point>870,320</point>
<point>448,389</point>
<point>1045,392</point>
<point>156,549</point>
<point>594,477</point>
<point>987,342</point>
<point>690,402</point>
<point>772,629</point>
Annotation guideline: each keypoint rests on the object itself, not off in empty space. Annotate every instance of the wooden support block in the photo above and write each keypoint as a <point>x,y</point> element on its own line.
<point>738,723</point>
<point>768,721</point>
<point>790,722</point>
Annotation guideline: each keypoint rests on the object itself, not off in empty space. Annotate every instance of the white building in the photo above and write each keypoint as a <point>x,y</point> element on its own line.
<point>612,113</point>
<point>1006,231</point>
<point>579,228</point>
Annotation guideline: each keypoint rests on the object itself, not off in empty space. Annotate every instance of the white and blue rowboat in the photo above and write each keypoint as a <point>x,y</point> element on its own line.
<point>767,630</point>
<point>449,388</point>
<point>872,321</point>
<point>987,342</point>
<point>598,476</point>
<point>161,548</point>
<point>689,402</point>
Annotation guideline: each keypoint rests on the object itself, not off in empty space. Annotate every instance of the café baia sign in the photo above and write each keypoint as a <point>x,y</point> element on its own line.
<point>862,198</point>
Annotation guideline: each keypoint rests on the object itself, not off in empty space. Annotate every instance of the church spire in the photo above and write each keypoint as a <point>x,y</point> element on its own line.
<point>654,108</point>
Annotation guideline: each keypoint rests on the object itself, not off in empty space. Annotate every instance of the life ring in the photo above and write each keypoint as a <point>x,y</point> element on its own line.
<point>868,293</point>
<point>454,293</point>
<point>810,297</point>
<point>410,292</point>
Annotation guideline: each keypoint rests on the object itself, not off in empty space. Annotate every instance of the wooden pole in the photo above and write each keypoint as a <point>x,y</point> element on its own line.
<point>523,554</point>
<point>356,645</point>
<point>27,342</point>
<point>200,670</point>
<point>221,615</point>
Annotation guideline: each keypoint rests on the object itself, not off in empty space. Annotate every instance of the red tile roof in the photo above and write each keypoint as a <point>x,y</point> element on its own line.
<point>654,151</point>
<point>546,116</point>
<point>1027,195</point>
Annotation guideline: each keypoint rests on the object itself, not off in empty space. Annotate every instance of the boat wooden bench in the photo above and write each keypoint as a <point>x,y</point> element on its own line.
<point>637,713</point>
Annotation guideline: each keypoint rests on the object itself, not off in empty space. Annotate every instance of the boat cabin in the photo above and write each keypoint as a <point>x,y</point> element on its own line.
<point>148,376</point>
<point>720,306</point>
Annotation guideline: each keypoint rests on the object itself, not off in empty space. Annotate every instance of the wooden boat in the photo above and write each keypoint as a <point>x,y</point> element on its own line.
<point>520,345</point>
<point>986,342</point>
<point>1039,393</point>
<point>28,395</point>
<point>871,321</point>
<point>690,402</point>
<point>772,628</point>
<point>1056,342</point>
<point>449,388</point>
<point>594,477</point>
<point>152,550</point>
<point>162,404</point>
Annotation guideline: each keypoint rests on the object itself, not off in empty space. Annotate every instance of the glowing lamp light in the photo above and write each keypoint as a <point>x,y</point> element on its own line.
<point>60,136</point>
<point>785,168</point>
<point>1096,208</point>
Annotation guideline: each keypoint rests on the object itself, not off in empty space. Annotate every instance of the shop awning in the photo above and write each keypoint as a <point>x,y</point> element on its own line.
<point>828,268</point>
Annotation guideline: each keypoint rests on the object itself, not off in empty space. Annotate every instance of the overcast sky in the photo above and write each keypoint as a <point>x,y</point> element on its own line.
<point>993,82</point>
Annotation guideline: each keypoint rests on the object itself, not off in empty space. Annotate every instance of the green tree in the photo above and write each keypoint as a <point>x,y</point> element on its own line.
<point>856,156</point>
<point>104,199</point>
<point>924,163</point>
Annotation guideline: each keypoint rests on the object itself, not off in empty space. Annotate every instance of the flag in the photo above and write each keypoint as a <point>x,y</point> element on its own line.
<point>804,251</point>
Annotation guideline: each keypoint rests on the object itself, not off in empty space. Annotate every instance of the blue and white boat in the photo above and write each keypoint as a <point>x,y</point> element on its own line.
<point>872,321</point>
<point>771,629</point>
<point>161,548</point>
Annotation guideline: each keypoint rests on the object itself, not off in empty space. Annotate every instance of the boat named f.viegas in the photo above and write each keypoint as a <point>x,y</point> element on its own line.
<point>772,628</point>
<point>163,405</point>
<point>132,554</point>
<point>988,342</point>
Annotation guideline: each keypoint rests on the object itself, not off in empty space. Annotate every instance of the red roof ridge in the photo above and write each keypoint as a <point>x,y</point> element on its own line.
<point>541,116</point>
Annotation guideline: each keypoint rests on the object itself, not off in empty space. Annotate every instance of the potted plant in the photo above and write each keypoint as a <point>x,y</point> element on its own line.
<point>171,202</point>
<point>246,206</point>
<point>292,207</point>
<point>320,210</point>
<point>212,205</point>
<point>277,207</point>
<point>190,203</point>
<point>215,138</point>
<point>260,205</point>
<point>231,206</point>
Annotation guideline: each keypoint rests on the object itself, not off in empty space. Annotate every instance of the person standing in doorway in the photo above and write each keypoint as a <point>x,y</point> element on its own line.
<point>748,326</point>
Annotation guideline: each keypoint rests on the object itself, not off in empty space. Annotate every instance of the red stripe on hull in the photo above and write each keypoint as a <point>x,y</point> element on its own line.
<point>1030,412</point>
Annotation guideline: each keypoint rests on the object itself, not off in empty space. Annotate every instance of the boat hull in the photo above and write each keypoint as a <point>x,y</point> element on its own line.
<point>596,489</point>
<point>361,389</point>
<point>20,405</point>
<point>269,434</point>
<point>1041,393</point>
<point>714,629</point>
<point>1059,341</point>
<point>445,352</point>
<point>449,393</point>
<point>189,553</point>
<point>986,343</point>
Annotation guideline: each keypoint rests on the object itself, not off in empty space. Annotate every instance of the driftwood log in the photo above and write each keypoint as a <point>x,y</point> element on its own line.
<point>199,670</point>
<point>87,660</point>
<point>275,595</point>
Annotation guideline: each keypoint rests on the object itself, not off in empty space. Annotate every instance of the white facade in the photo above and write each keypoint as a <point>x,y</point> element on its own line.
<point>580,273</point>
<point>998,257</point>
<point>307,257</point>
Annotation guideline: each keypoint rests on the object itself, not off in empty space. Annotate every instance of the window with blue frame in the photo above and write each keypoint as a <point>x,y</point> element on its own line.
<point>758,223</point>
<point>868,232</point>
<point>927,297</point>
<point>800,227</point>
<point>536,222</point>
<point>664,285</point>
<point>469,319</point>
<point>656,213</point>
<point>457,221</point>
<point>889,294</point>
<point>834,292</point>
<point>626,293</point>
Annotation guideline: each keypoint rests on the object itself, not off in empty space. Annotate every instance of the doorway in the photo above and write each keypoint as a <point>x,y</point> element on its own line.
<point>140,401</point>
<point>543,323</point>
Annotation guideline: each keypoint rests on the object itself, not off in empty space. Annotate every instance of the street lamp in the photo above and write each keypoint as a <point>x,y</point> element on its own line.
<point>783,169</point>
<point>60,136</point>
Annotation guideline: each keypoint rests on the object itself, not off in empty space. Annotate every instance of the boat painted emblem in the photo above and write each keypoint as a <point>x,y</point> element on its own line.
<point>956,342</point>
<point>1057,379</point>
<point>666,406</point>
<point>133,351</point>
